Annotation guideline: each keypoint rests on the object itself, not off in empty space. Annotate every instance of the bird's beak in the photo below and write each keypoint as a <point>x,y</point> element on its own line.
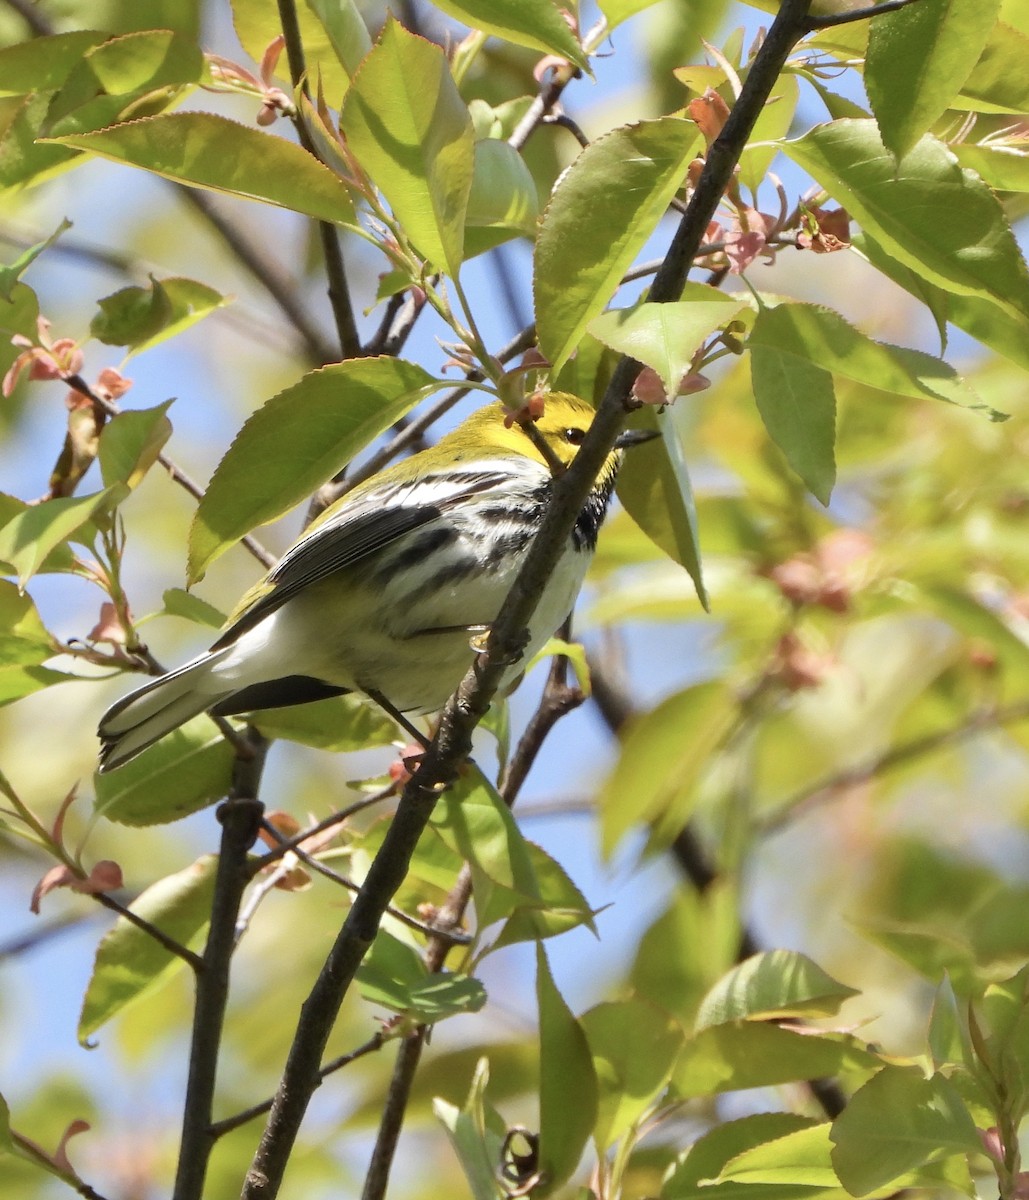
<point>635,437</point>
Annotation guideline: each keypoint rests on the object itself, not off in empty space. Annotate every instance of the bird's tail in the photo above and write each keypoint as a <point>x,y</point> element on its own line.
<point>147,714</point>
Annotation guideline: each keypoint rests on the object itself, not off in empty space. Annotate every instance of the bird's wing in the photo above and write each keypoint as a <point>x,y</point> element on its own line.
<point>343,538</point>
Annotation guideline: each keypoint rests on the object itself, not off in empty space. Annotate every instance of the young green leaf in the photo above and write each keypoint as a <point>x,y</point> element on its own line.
<point>534,23</point>
<point>341,723</point>
<point>634,1047</point>
<point>294,442</point>
<point>10,275</point>
<point>140,317</point>
<point>28,538</point>
<point>941,221</point>
<point>665,336</point>
<point>825,339</point>
<point>503,202</point>
<point>751,1054</point>
<point>778,983</point>
<point>131,442</point>
<point>566,1071</point>
<point>207,151</point>
<point>407,125</point>
<point>704,1161</point>
<point>129,962</point>
<point>918,58</point>
<point>44,63</point>
<point>800,1160</point>
<point>477,1132</point>
<point>182,773</point>
<point>603,210</point>
<point>797,403</point>
<point>655,490</point>
<point>346,30</point>
<point>657,768</point>
<point>23,636</point>
<point>897,1122</point>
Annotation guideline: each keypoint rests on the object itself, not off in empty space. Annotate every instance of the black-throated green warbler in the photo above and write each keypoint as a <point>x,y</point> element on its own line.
<point>385,591</point>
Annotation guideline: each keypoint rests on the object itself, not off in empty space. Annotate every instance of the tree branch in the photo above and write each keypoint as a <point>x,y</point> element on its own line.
<point>240,816</point>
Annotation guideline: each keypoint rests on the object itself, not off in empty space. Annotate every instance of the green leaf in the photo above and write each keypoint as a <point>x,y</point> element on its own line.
<point>131,442</point>
<point>19,679</point>
<point>407,125</point>
<point>16,316</point>
<point>941,221</point>
<point>976,315</point>
<point>824,338</point>
<point>477,1133</point>
<point>800,1159</point>
<point>687,948</point>
<point>390,973</point>
<point>655,776</point>
<point>10,275</point>
<point>558,904</point>
<point>180,603</point>
<point>23,636</point>
<point>750,1054</point>
<point>665,336</point>
<point>182,773</point>
<point>130,964</point>
<point>1004,167</point>
<point>503,201</point>
<point>776,984</point>
<point>998,84</point>
<point>897,1122</point>
<point>617,11</point>
<point>622,184</point>
<point>534,23</point>
<point>297,440</point>
<point>132,64</point>
<point>692,1177</point>
<point>472,819</point>
<point>341,723</point>
<point>44,63</point>
<point>918,58</point>
<point>566,1070</point>
<point>207,151</point>
<point>24,159</point>
<point>29,537</point>
<point>140,317</point>
<point>772,125</point>
<point>346,30</point>
<point>655,490</point>
<point>797,403</point>
<point>634,1047</point>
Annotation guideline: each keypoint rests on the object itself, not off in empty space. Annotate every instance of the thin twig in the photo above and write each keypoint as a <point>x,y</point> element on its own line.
<point>828,20</point>
<point>336,818</point>
<point>218,1129</point>
<point>178,475</point>
<point>170,944</point>
<point>240,816</point>
<point>339,290</point>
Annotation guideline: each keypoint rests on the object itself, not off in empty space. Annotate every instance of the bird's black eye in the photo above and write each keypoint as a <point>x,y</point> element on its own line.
<point>575,437</point>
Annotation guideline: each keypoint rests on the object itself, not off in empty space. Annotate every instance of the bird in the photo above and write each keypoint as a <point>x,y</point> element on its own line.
<point>387,593</point>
